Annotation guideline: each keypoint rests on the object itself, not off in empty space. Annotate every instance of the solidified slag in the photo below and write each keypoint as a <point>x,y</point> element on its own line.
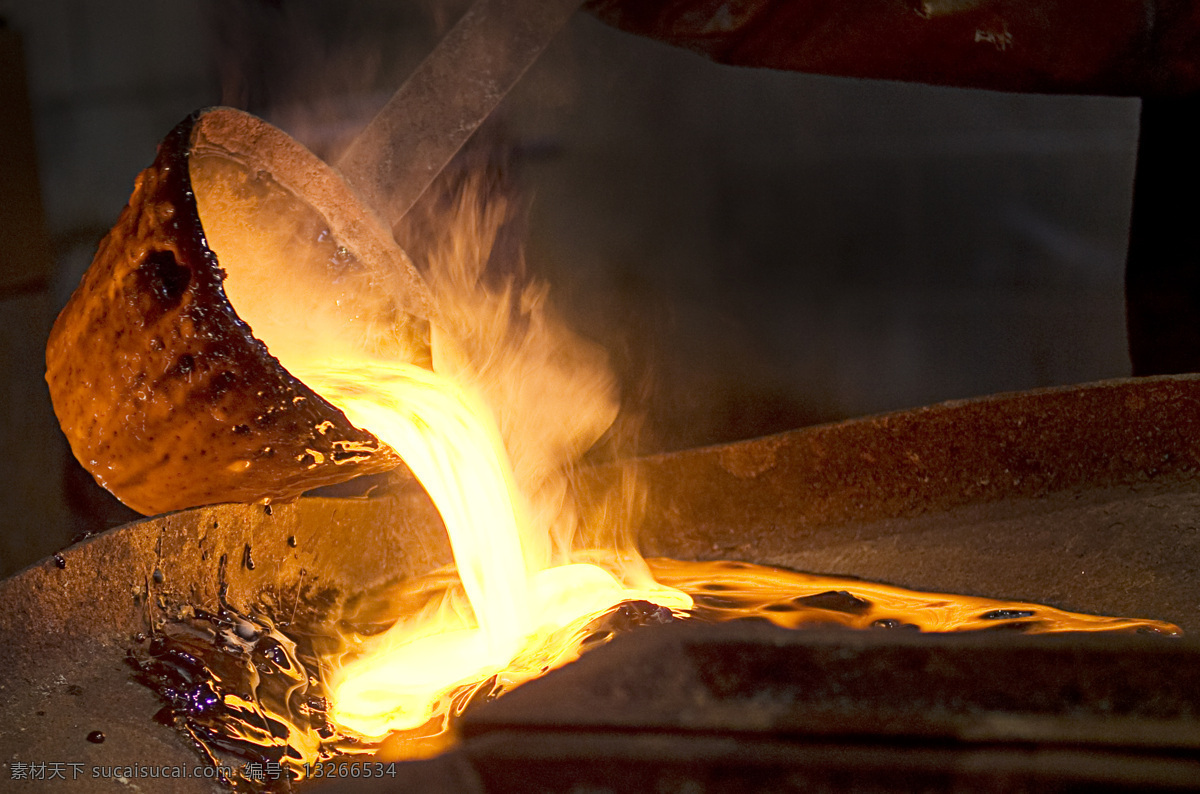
<point>245,692</point>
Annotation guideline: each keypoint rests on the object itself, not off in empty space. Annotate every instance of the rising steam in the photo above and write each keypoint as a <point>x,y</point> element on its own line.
<point>491,414</point>
<point>552,393</point>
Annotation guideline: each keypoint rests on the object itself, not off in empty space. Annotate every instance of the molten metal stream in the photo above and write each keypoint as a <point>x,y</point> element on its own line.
<point>245,690</point>
<point>321,312</point>
<point>455,451</point>
<point>509,406</point>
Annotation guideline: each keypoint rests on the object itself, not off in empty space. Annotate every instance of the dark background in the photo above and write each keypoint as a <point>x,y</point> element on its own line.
<point>758,250</point>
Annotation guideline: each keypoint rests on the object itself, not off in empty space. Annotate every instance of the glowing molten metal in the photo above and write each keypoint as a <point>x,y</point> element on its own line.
<point>490,408</point>
<point>501,491</point>
<point>452,446</point>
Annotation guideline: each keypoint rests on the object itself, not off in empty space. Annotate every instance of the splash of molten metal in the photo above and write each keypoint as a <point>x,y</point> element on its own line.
<point>447,439</point>
<point>512,401</point>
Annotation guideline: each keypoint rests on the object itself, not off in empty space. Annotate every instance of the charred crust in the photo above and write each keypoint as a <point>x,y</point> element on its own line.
<point>150,353</point>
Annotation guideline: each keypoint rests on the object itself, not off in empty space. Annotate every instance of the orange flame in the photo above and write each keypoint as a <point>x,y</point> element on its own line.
<point>446,438</point>
<point>514,399</point>
<point>512,402</point>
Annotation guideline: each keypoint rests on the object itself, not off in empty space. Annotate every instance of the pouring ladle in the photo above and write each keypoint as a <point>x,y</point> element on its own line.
<point>165,393</point>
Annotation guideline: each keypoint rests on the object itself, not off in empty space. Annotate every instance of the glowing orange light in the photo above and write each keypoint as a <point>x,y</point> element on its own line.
<point>455,451</point>
<point>509,405</point>
<point>329,323</point>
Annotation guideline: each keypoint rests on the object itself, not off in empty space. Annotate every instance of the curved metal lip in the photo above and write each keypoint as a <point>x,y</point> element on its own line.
<point>190,407</point>
<point>261,146</point>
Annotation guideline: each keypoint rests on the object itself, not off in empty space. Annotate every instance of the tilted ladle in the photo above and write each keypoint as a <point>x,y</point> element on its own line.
<point>163,390</point>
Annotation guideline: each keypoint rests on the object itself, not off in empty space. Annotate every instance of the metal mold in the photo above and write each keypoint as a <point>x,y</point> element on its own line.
<point>1085,498</point>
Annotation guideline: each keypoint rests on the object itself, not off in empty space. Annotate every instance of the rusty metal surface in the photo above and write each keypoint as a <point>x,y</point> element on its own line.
<point>1084,498</point>
<point>66,623</point>
<point>1098,691</point>
<point>755,708</point>
<point>742,708</point>
<point>111,586</point>
<point>1119,47</point>
<point>1024,445</point>
<point>186,407</point>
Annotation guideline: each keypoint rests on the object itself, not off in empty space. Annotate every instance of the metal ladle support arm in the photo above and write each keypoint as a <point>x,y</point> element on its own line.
<point>408,143</point>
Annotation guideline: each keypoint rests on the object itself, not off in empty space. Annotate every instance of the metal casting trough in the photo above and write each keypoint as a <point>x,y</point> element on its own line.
<point>1085,498</point>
